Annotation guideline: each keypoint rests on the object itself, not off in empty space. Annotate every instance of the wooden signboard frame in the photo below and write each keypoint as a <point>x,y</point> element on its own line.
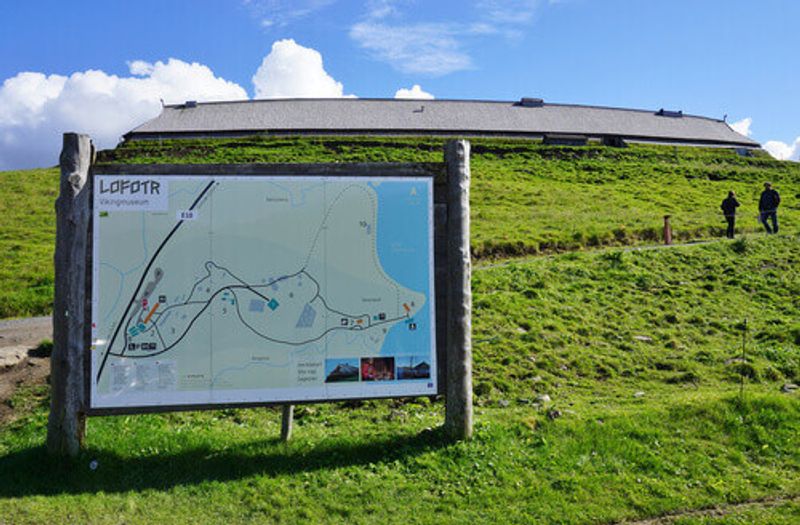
<point>70,378</point>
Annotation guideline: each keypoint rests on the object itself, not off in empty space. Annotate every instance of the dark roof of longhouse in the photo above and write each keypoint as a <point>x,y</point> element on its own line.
<point>524,118</point>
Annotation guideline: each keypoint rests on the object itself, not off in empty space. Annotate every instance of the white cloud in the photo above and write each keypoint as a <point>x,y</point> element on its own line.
<point>35,109</point>
<point>381,8</point>
<point>140,68</point>
<point>427,48</point>
<point>291,70</point>
<point>22,97</point>
<point>508,11</point>
<point>438,48</point>
<point>743,126</point>
<point>415,92</point>
<point>782,151</point>
<point>510,18</point>
<point>776,148</point>
<point>281,13</point>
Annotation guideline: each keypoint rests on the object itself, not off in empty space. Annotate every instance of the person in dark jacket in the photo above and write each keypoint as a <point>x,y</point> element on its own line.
<point>729,206</point>
<point>768,207</point>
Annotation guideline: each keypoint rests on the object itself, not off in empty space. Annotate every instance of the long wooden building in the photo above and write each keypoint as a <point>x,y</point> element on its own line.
<point>526,118</point>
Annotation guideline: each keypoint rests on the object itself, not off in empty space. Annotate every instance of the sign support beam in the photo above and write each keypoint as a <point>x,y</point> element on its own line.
<point>286,422</point>
<point>66,425</point>
<point>458,402</point>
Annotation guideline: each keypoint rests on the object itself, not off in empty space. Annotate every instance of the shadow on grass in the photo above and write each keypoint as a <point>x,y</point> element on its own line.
<point>33,472</point>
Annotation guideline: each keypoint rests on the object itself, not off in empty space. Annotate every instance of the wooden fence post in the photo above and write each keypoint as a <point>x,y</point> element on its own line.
<point>667,230</point>
<point>66,425</point>
<point>286,422</point>
<point>458,403</point>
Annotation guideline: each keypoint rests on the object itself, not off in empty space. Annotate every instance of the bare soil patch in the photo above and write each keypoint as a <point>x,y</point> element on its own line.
<point>717,511</point>
<point>25,332</point>
<point>28,364</point>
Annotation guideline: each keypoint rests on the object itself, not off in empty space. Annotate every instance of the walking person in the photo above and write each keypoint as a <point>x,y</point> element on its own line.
<point>729,206</point>
<point>768,207</point>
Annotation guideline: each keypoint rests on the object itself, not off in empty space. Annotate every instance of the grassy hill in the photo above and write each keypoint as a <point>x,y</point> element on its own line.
<point>27,241</point>
<point>607,372</point>
<point>667,316</point>
<point>527,198</point>
<point>632,428</point>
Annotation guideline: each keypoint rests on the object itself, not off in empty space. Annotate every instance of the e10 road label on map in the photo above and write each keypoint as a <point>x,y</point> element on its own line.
<point>258,289</point>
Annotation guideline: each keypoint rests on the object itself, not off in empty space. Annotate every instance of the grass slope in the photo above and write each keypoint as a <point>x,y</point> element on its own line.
<point>633,428</point>
<point>27,240</point>
<point>381,464</point>
<point>667,316</point>
<point>637,351</point>
<point>527,198</point>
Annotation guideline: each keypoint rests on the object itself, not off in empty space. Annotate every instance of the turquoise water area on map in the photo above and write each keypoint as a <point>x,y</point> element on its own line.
<point>403,246</point>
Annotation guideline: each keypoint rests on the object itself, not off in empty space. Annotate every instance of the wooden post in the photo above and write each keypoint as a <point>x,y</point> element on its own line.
<point>458,402</point>
<point>744,360</point>
<point>286,422</point>
<point>667,230</point>
<point>66,425</point>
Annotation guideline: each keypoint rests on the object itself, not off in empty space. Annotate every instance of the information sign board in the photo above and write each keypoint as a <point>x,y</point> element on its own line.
<point>238,289</point>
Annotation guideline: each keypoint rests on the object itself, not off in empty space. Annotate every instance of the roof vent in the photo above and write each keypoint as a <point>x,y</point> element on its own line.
<point>190,104</point>
<point>528,102</point>
<point>669,113</point>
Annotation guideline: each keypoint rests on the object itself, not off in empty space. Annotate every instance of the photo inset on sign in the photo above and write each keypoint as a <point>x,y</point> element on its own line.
<point>413,367</point>
<point>341,370</point>
<point>377,368</point>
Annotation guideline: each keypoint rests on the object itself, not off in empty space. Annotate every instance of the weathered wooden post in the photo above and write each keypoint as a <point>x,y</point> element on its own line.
<point>667,230</point>
<point>458,403</point>
<point>66,425</point>
<point>286,422</point>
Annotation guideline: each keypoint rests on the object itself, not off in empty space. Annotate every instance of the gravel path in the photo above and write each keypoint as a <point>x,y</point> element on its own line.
<point>25,332</point>
<point>20,363</point>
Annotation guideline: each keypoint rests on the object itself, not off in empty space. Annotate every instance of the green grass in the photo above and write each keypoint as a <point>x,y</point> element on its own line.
<point>527,198</point>
<point>782,513</point>
<point>637,350</point>
<point>380,463</point>
<point>672,316</point>
<point>27,240</point>
<point>597,452</point>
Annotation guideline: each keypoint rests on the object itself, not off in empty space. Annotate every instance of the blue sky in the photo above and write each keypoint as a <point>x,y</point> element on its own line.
<point>100,67</point>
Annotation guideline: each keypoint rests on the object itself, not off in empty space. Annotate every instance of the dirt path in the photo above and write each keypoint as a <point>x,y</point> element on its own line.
<point>22,363</point>
<point>717,511</point>
<point>25,332</point>
<point>645,247</point>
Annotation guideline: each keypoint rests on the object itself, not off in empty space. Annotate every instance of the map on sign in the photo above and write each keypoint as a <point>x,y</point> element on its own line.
<point>237,289</point>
